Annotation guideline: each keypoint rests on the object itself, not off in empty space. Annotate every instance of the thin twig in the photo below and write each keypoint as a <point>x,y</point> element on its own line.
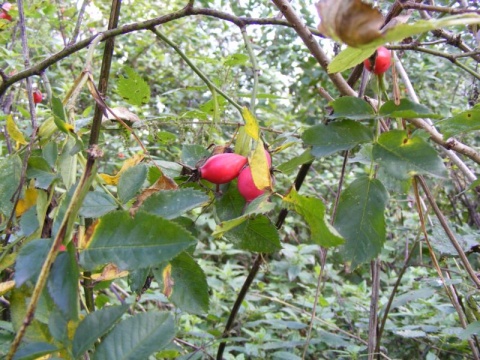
<point>143,25</point>
<point>448,232</point>
<point>255,68</point>
<point>200,74</point>
<point>307,37</point>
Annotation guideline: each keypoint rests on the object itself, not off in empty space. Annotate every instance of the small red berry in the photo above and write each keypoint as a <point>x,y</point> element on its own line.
<point>246,186</point>
<point>222,168</point>
<point>383,61</point>
<point>5,15</point>
<point>37,96</point>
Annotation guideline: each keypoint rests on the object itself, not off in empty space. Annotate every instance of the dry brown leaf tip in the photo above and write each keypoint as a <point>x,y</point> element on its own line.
<point>353,22</point>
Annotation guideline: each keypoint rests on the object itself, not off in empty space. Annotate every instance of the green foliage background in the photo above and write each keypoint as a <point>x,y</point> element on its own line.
<point>306,301</point>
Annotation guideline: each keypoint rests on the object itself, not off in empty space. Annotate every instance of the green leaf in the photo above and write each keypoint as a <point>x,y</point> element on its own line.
<point>361,219</point>
<point>349,58</point>
<point>351,107</point>
<point>471,329</point>
<point>34,350</point>
<point>293,164</point>
<point>192,154</point>
<point>59,116</point>
<point>256,234</point>
<point>50,153</point>
<point>97,204</point>
<point>336,136</point>
<point>137,337</point>
<point>407,110</point>
<point>133,243</point>
<point>95,325</point>
<point>461,123</point>
<point>68,163</point>
<point>313,212</point>
<point>10,170</point>
<point>137,278</point>
<point>189,291</point>
<point>173,203</point>
<point>133,88</point>
<point>236,60</point>
<point>39,169</point>
<point>131,181</point>
<point>63,283</point>
<point>402,156</point>
<point>30,260</point>
<point>260,205</point>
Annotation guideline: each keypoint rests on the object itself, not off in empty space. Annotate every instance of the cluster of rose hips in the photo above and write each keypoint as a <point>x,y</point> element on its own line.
<point>223,168</point>
<point>4,11</point>
<point>382,61</point>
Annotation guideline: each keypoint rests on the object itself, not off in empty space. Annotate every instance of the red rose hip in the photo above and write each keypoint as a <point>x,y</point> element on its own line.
<point>37,96</point>
<point>222,168</point>
<point>383,61</point>
<point>246,186</point>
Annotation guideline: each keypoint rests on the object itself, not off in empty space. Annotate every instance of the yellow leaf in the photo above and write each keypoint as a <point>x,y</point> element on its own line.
<point>113,179</point>
<point>27,202</point>
<point>6,287</point>
<point>167,281</point>
<point>109,272</point>
<point>260,168</point>
<point>110,179</point>
<point>251,125</point>
<point>14,132</point>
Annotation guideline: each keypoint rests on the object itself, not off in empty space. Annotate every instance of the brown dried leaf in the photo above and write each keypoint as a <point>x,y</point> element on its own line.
<point>353,22</point>
<point>121,112</point>
<point>109,272</point>
<point>163,183</point>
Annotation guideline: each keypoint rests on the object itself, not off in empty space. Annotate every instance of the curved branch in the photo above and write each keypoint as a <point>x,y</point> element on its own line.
<point>307,36</point>
<point>144,25</point>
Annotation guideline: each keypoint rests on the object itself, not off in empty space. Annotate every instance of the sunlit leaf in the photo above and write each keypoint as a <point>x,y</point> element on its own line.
<point>251,125</point>
<point>14,131</point>
<point>402,156</point>
<point>260,168</point>
<point>27,201</point>
<point>361,219</point>
<point>113,179</point>
<point>133,88</point>
<point>6,287</point>
<point>313,212</point>
<point>463,122</point>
